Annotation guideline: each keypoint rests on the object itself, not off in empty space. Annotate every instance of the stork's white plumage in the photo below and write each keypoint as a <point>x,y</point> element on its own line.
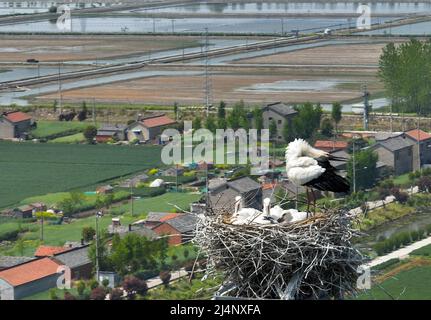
<point>307,166</point>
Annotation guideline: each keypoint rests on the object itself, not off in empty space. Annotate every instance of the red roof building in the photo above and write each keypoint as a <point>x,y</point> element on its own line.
<point>49,251</point>
<point>29,278</point>
<point>330,145</point>
<point>17,116</point>
<point>149,128</point>
<point>418,135</point>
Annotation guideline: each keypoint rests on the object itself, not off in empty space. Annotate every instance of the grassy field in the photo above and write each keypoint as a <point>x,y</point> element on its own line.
<point>36,169</point>
<point>402,180</point>
<point>49,128</point>
<point>424,251</point>
<point>74,138</point>
<point>161,203</point>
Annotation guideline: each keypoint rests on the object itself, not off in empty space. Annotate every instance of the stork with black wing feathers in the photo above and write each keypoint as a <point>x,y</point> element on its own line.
<point>310,167</point>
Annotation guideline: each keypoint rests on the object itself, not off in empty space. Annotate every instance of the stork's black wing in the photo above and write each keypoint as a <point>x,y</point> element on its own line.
<point>329,180</point>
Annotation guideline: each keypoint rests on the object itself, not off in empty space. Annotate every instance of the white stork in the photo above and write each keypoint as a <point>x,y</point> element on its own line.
<point>310,167</point>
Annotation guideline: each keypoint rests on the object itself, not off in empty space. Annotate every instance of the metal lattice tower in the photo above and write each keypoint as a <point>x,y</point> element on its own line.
<point>208,84</point>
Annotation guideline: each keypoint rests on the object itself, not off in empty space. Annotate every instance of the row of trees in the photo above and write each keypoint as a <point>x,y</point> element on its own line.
<point>305,124</point>
<point>406,73</point>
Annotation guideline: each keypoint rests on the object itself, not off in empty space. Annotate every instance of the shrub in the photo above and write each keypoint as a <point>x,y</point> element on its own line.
<point>133,285</point>
<point>116,294</point>
<point>93,284</point>
<point>53,294</point>
<point>98,293</point>
<point>424,184</point>
<point>69,296</point>
<point>80,287</point>
<point>165,276</point>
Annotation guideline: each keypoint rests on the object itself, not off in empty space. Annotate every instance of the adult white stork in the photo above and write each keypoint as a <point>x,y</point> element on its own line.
<point>310,167</point>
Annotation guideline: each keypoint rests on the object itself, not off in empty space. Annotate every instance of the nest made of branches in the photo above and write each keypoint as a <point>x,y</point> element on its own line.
<point>313,259</point>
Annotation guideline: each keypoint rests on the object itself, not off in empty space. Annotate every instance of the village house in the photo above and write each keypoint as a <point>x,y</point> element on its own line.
<point>173,171</point>
<point>330,145</point>
<point>280,113</point>
<point>23,212</point>
<point>222,193</point>
<point>117,132</point>
<point>148,128</point>
<point>29,278</point>
<point>15,124</point>
<point>179,227</point>
<point>104,189</point>
<point>421,140</point>
<point>7,262</point>
<point>134,182</point>
<point>396,153</point>
<point>77,260</point>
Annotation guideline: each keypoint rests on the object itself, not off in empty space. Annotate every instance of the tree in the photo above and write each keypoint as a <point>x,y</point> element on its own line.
<point>116,294</point>
<point>197,123</point>
<point>165,276</point>
<point>133,285</point>
<point>80,287</point>
<point>258,118</point>
<point>336,114</point>
<point>237,118</point>
<point>424,184</point>
<point>82,115</point>
<point>326,128</point>
<point>210,124</point>
<point>405,71</point>
<point>221,115</point>
<point>365,169</point>
<point>272,130</point>
<point>90,133</point>
<point>98,293</point>
<point>307,121</point>
<point>88,233</point>
<point>176,110</point>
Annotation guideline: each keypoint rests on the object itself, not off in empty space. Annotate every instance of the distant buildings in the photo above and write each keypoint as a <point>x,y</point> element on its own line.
<point>222,193</point>
<point>280,113</point>
<point>331,145</point>
<point>15,124</point>
<point>148,128</point>
<point>422,139</point>
<point>396,153</point>
<point>116,132</point>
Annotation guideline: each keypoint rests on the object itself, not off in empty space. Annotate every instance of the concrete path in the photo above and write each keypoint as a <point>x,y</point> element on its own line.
<point>400,253</point>
<point>175,275</point>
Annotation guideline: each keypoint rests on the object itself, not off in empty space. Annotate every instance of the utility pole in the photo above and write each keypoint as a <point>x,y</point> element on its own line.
<point>41,227</point>
<point>354,165</point>
<point>131,197</point>
<point>419,142</point>
<point>207,75</point>
<point>366,96</point>
<point>59,89</point>
<point>98,216</point>
<point>94,111</point>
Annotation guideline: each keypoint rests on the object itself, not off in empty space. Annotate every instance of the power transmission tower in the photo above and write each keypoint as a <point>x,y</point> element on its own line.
<point>208,97</point>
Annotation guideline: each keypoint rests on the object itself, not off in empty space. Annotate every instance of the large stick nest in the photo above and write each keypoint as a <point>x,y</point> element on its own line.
<point>313,259</point>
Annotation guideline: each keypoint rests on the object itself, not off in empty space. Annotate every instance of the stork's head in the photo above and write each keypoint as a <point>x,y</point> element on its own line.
<point>266,205</point>
<point>238,200</point>
<point>301,148</point>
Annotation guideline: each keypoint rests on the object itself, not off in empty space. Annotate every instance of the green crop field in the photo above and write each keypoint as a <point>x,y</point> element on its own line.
<point>51,128</point>
<point>29,169</point>
<point>163,203</point>
<point>412,284</point>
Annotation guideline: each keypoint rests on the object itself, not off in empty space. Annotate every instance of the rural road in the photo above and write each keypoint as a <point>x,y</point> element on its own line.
<point>400,253</point>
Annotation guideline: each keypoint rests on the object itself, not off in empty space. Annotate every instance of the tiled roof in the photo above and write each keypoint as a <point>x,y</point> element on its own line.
<point>10,261</point>
<point>418,135</point>
<point>396,143</point>
<point>75,257</point>
<point>17,116</point>
<point>244,184</point>
<point>157,121</point>
<point>281,108</point>
<point>47,251</point>
<point>160,216</point>
<point>330,144</point>
<point>183,223</point>
<point>31,271</point>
